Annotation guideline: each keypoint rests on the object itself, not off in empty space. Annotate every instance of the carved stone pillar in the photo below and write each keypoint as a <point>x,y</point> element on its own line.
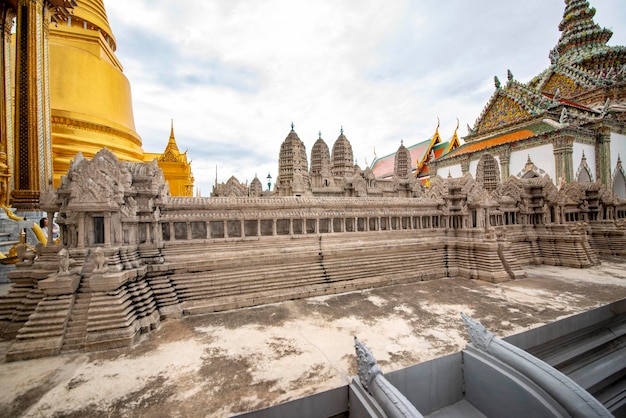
<point>33,166</point>
<point>107,229</point>
<point>603,158</point>
<point>563,148</point>
<point>81,230</point>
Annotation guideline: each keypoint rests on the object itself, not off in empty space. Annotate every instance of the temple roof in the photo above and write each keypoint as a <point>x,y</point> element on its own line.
<point>503,138</point>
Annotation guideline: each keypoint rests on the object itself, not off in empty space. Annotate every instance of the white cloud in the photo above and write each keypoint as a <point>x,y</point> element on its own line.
<point>234,74</point>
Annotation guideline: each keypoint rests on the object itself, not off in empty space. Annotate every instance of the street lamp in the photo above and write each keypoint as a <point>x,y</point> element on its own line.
<point>269,182</point>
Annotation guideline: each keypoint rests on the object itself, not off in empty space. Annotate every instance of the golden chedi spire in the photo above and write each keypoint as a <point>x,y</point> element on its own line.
<point>90,98</point>
<point>176,168</point>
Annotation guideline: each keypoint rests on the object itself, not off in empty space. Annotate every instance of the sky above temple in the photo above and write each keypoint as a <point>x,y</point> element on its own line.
<point>234,75</point>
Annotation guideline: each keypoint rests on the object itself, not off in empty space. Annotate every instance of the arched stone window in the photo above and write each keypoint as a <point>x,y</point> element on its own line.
<point>488,172</point>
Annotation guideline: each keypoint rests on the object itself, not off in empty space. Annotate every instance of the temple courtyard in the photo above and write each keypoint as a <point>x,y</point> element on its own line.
<point>236,361</point>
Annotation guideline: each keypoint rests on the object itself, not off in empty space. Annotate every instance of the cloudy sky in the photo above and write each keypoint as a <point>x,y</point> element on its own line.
<point>235,74</point>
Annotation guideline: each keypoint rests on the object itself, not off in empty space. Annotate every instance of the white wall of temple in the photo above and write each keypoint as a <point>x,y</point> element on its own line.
<point>590,155</point>
<point>454,170</point>
<point>618,147</point>
<point>542,156</point>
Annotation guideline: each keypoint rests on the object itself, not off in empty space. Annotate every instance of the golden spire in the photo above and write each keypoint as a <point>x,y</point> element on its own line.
<point>171,144</point>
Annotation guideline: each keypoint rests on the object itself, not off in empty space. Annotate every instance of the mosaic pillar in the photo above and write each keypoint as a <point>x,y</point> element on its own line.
<point>504,164</point>
<point>465,165</point>
<point>563,148</point>
<point>32,143</point>
<point>6,111</point>
<point>603,158</point>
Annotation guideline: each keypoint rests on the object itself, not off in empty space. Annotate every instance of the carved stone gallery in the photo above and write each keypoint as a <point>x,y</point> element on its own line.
<point>131,255</point>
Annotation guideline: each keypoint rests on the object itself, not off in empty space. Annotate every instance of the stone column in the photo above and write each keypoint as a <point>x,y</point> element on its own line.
<point>258,227</point>
<point>172,231</point>
<point>148,233</point>
<point>563,148</point>
<point>107,229</point>
<point>225,223</point>
<point>274,233</point>
<point>603,158</point>
<point>81,230</point>
<point>50,240</point>
<point>33,167</point>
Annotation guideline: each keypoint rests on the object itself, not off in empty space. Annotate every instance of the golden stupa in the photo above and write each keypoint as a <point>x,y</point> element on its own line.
<point>90,98</point>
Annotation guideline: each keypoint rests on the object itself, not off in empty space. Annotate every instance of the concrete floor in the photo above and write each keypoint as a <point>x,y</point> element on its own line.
<point>236,361</point>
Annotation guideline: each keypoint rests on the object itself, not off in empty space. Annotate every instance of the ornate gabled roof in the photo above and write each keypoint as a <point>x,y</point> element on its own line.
<point>509,105</point>
<point>421,154</point>
<point>581,63</point>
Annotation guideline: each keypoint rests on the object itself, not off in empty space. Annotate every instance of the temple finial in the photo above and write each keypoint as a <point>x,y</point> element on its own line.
<point>319,135</point>
<point>292,126</point>
<point>438,124</point>
<point>341,130</point>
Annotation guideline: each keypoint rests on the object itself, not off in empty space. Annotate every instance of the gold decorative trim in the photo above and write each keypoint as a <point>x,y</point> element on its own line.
<point>94,127</point>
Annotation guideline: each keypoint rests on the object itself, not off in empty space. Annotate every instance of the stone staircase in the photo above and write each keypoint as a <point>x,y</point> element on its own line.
<point>76,331</point>
<point>42,334</point>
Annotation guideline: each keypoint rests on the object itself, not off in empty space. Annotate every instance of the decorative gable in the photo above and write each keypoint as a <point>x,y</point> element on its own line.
<point>503,111</point>
<point>565,85</point>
